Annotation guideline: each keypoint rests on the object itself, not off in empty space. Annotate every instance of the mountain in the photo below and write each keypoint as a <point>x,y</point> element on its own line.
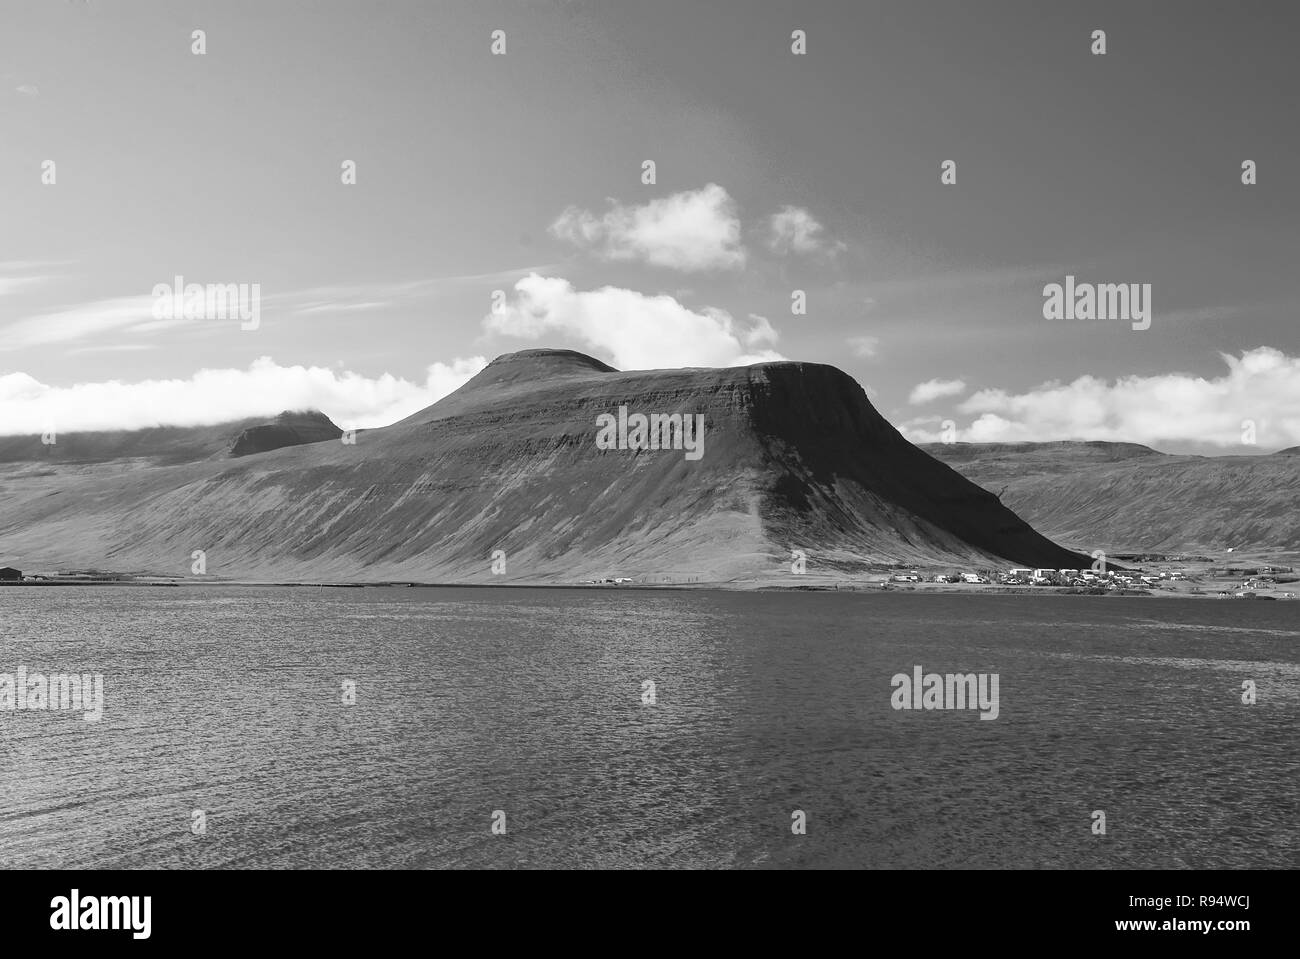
<point>794,457</point>
<point>1121,497</point>
<point>288,429</point>
<point>166,445</point>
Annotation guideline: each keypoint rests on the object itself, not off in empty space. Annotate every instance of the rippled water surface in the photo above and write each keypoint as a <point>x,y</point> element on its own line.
<point>228,700</point>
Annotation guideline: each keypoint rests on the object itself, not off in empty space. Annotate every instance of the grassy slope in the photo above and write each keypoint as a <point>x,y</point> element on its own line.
<point>1128,498</point>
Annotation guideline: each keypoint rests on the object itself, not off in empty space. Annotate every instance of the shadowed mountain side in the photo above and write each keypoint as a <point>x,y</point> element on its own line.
<point>794,457</point>
<point>289,429</point>
<point>1123,497</point>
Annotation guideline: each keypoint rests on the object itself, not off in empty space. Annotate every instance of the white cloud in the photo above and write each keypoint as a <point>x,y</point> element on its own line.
<point>864,346</point>
<point>792,229</point>
<point>638,332</point>
<point>28,90</point>
<point>689,231</point>
<point>1261,386</point>
<point>123,314</point>
<point>761,332</point>
<point>932,390</point>
<point>216,396</point>
<point>30,274</point>
<point>16,284</point>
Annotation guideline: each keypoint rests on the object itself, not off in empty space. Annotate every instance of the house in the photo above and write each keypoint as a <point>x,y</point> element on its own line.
<point>10,575</point>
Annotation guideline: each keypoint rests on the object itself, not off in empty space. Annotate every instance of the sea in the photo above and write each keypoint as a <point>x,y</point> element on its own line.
<point>449,727</point>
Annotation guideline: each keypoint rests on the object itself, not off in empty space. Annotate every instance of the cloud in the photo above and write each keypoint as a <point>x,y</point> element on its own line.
<point>135,314</point>
<point>761,332</point>
<point>1261,386</point>
<point>217,396</point>
<point>793,229</point>
<point>366,297</point>
<point>29,273</point>
<point>16,284</point>
<point>28,90</point>
<point>864,346</point>
<point>690,231</point>
<point>362,307</point>
<point>932,390</point>
<point>124,314</point>
<point>638,332</point>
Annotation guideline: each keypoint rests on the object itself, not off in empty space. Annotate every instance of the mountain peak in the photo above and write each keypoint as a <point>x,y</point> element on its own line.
<point>546,361</point>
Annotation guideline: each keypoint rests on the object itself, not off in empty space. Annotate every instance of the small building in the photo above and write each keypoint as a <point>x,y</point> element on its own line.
<point>10,575</point>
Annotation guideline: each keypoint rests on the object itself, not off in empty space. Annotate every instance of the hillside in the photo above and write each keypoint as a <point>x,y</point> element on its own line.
<point>166,445</point>
<point>1122,497</point>
<point>794,457</point>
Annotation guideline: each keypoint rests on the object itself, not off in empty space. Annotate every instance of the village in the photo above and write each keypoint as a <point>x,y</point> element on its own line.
<point>1246,582</point>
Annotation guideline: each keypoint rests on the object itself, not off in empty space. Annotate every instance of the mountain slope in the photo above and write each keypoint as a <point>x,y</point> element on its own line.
<point>1123,497</point>
<point>794,457</point>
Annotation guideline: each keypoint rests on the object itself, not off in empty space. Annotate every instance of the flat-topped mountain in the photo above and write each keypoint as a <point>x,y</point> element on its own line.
<point>288,429</point>
<point>1124,497</point>
<point>793,457</point>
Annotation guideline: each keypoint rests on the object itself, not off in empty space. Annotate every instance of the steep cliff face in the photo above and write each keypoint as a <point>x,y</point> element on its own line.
<point>793,457</point>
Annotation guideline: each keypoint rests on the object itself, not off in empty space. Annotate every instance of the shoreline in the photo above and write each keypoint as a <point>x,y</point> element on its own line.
<point>949,589</point>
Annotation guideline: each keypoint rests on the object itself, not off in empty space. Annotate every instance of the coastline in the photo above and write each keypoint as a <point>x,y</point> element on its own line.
<point>1217,592</point>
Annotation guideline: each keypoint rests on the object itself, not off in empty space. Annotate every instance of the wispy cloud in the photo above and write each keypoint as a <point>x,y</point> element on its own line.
<point>864,346</point>
<point>121,315</point>
<point>19,275</point>
<point>364,297</point>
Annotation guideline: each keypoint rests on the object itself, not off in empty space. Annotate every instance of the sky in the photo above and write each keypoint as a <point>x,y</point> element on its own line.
<point>500,202</point>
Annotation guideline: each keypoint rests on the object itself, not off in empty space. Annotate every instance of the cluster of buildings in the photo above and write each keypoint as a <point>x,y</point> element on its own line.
<point>1107,579</point>
<point>915,577</point>
<point>1024,576</point>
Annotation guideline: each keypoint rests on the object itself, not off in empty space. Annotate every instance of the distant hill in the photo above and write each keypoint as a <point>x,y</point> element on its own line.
<point>288,429</point>
<point>167,445</point>
<point>1125,497</point>
<point>795,457</point>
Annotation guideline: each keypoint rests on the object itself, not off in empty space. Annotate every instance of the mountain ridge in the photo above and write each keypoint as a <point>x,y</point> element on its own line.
<point>795,458</point>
